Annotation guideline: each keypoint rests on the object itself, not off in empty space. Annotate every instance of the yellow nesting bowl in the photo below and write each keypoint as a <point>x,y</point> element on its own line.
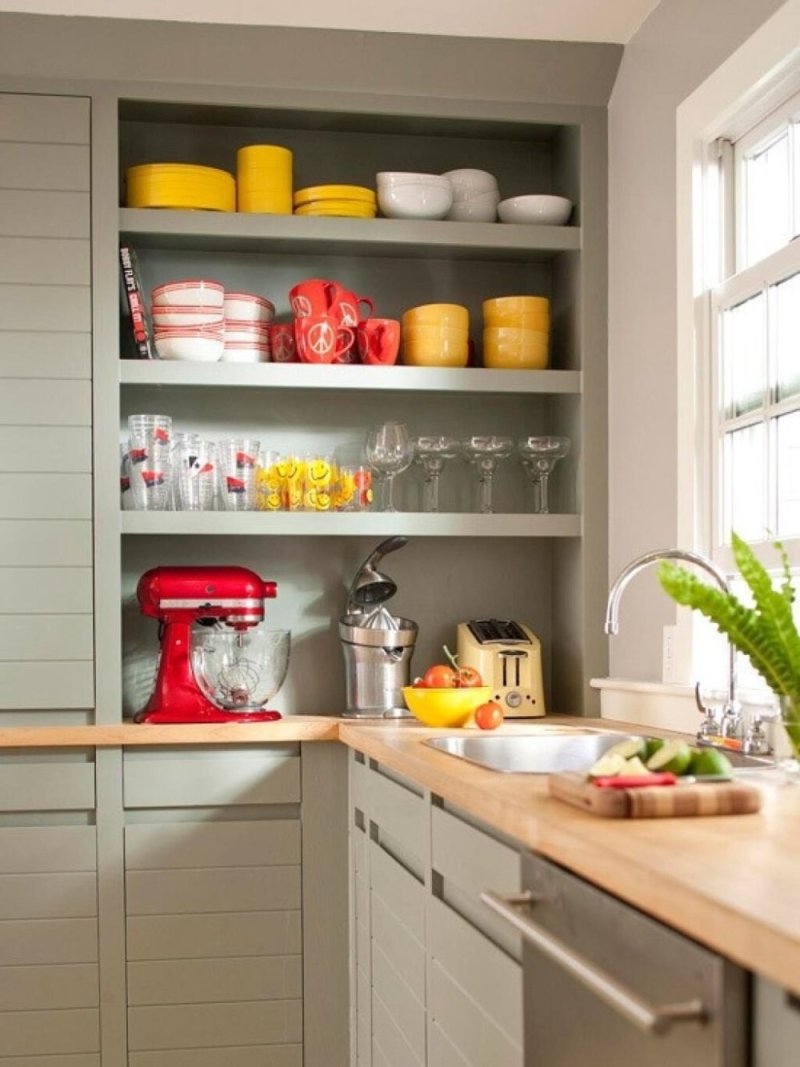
<point>532,312</point>
<point>445,707</point>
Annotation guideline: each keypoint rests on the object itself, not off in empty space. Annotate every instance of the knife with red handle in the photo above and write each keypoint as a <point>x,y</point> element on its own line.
<point>635,781</point>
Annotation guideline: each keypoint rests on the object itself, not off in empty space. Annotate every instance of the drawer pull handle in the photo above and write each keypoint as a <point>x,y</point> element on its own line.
<point>650,1019</point>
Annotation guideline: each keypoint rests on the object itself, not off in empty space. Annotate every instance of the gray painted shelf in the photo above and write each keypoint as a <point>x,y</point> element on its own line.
<point>477,380</point>
<point>233,232</point>
<point>349,524</point>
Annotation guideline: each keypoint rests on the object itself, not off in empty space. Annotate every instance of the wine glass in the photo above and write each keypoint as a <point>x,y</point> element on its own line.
<point>431,453</point>
<point>389,451</point>
<point>485,453</point>
<point>539,456</point>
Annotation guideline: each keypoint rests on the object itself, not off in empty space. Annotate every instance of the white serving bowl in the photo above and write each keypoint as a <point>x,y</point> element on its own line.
<point>192,292</point>
<point>245,352</point>
<point>250,332</point>
<point>413,196</point>
<point>536,209</point>
<point>196,347</point>
<point>183,315</point>
<point>248,307</point>
<point>468,182</point>
<point>479,208</point>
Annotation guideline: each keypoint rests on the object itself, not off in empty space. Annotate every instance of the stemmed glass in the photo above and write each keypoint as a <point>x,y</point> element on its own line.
<point>389,451</point>
<point>431,453</point>
<point>485,453</point>
<point>539,456</point>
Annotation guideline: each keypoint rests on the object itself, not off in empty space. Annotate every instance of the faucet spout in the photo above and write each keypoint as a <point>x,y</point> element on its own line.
<point>640,563</point>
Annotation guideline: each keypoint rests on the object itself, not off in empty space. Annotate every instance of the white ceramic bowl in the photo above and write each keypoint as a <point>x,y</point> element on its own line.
<point>468,182</point>
<point>414,196</point>
<point>191,292</point>
<point>538,210</point>
<point>247,307</point>
<point>479,208</point>
<point>196,347</point>
<point>251,332</point>
<point>245,352</point>
<point>181,315</point>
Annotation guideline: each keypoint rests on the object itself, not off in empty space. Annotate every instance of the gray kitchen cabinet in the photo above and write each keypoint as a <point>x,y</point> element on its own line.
<point>49,952</point>
<point>213,849</point>
<point>776,1025</point>
<point>435,979</point>
<point>46,602</point>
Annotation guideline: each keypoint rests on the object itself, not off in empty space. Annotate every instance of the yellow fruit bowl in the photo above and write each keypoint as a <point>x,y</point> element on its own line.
<point>445,707</point>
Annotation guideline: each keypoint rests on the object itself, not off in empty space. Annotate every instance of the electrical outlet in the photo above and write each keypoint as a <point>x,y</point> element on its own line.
<point>668,666</point>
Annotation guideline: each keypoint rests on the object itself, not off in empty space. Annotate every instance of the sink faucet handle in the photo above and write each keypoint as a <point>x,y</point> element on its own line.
<point>710,726</point>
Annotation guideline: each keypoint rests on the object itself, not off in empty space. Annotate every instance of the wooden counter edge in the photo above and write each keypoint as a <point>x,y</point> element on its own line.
<point>290,728</point>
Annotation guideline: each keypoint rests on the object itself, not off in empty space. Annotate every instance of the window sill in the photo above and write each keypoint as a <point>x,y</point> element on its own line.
<point>666,707</point>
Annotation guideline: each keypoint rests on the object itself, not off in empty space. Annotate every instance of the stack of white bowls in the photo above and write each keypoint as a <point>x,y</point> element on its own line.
<point>247,320</point>
<point>475,195</point>
<point>408,195</point>
<point>188,320</point>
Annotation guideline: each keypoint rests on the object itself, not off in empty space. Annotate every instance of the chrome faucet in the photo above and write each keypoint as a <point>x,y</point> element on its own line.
<point>730,722</point>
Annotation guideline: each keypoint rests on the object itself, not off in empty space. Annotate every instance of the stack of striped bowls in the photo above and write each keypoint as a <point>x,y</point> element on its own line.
<point>516,333</point>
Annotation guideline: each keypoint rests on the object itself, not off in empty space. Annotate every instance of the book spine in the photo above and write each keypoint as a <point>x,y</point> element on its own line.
<point>136,303</point>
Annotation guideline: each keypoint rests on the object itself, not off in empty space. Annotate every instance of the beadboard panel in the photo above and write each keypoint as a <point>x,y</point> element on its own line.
<point>399,811</point>
<point>66,168</point>
<point>46,590</point>
<point>214,980</point>
<point>53,119</point>
<point>252,1056</point>
<point>48,896</point>
<point>223,889</point>
<point>46,786</point>
<point>442,1051</point>
<point>407,1011</point>
<point>45,354</point>
<point>63,986</point>
<point>61,684</point>
<point>45,543</point>
<point>477,1038</point>
<point>232,778</point>
<point>48,941</point>
<point>45,449</point>
<point>28,402</point>
<point>37,213</point>
<point>406,952</point>
<point>34,638</point>
<point>402,894</point>
<point>171,937</point>
<point>45,260</point>
<point>215,1025</point>
<point>207,844</point>
<point>35,849</point>
<point>46,496</point>
<point>390,1040</point>
<point>79,1060</point>
<point>35,1033</point>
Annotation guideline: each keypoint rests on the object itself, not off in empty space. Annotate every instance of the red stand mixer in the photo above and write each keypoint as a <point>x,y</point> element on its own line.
<point>183,597</point>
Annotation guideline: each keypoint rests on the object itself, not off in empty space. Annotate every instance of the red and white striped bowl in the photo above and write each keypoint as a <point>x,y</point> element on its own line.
<point>248,307</point>
<point>190,291</point>
<point>186,315</point>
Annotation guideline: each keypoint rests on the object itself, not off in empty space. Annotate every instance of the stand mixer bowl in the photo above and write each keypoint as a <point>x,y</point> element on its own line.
<point>240,670</point>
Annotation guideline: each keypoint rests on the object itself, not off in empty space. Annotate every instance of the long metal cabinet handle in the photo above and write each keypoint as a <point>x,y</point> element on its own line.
<point>650,1019</point>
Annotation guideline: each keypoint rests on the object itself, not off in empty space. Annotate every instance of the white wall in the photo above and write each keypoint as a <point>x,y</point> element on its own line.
<point>677,48</point>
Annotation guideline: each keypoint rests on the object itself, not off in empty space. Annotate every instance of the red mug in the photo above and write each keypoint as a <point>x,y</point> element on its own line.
<point>282,343</point>
<point>320,338</point>
<point>312,297</point>
<point>378,341</point>
<point>346,306</point>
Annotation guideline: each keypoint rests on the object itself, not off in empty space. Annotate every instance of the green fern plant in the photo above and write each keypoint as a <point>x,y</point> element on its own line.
<point>766,633</point>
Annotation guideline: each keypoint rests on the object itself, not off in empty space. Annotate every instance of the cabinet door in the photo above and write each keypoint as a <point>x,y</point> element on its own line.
<point>776,1026</point>
<point>213,890</point>
<point>46,639</point>
<point>49,974</point>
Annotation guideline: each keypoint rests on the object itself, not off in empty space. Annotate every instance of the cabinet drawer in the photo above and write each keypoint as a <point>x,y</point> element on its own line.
<point>399,810</point>
<point>31,117</point>
<point>159,780</point>
<point>172,846</point>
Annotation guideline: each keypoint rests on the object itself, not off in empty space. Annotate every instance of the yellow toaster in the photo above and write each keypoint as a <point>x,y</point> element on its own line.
<point>508,656</point>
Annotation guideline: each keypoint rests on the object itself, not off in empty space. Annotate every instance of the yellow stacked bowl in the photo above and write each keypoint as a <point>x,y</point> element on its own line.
<point>516,333</point>
<point>180,186</point>
<point>435,335</point>
<point>343,201</point>
<point>264,179</point>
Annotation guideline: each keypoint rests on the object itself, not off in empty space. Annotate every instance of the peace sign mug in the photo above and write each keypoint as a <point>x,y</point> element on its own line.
<point>320,338</point>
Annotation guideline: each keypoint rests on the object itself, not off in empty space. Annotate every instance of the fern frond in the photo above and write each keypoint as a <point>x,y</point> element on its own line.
<point>774,610</point>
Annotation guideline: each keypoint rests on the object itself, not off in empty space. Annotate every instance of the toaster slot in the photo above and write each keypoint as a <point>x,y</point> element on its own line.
<point>486,631</point>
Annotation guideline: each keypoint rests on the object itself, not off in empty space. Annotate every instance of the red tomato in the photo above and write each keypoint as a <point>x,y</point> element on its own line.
<point>489,715</point>
<point>440,676</point>
<point>468,678</point>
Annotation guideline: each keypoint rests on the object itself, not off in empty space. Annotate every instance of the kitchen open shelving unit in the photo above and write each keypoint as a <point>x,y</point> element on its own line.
<point>542,571</point>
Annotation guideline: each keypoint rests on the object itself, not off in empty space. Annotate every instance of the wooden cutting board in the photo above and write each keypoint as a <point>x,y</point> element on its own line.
<point>656,802</point>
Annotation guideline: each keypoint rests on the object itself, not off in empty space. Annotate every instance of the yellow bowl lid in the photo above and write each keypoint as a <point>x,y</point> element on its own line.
<point>335,192</point>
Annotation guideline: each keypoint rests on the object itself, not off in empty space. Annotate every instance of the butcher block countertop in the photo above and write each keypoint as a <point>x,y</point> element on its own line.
<point>731,882</point>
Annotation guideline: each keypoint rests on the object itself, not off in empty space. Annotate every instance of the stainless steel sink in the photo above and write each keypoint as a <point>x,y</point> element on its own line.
<point>571,750</point>
<point>559,749</point>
